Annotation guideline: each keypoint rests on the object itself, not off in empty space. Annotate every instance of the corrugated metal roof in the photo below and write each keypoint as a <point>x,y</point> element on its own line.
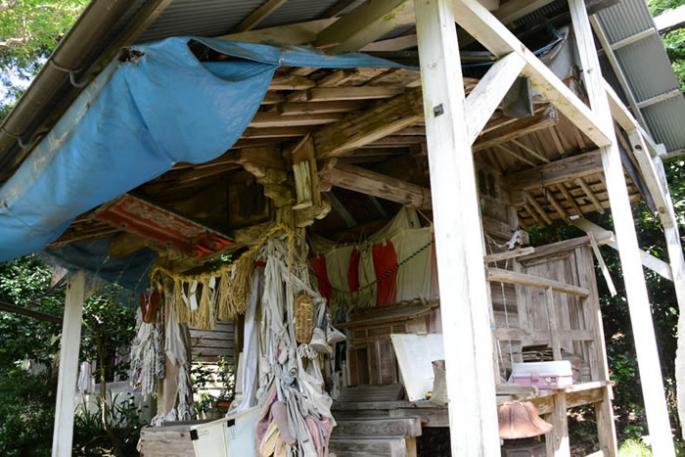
<point>625,19</point>
<point>218,17</point>
<point>298,11</point>
<point>666,121</point>
<point>201,18</point>
<point>647,69</point>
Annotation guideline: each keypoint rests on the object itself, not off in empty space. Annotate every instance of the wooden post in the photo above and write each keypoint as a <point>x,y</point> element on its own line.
<point>70,343</point>
<point>599,365</point>
<point>677,262</point>
<point>464,292</point>
<point>557,439</point>
<point>629,252</point>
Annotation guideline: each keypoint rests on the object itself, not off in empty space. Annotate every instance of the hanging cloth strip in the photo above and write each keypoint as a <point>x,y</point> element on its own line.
<point>221,294</point>
<point>290,374</point>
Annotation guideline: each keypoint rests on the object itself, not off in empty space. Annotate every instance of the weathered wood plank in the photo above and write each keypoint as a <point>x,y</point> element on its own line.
<point>70,342</point>
<point>517,129</point>
<point>458,237</point>
<point>360,129</point>
<point>490,32</point>
<point>636,289</point>
<point>523,279</point>
<point>370,427</point>
<point>378,185</point>
<point>555,173</point>
<point>489,92</point>
<point>367,23</point>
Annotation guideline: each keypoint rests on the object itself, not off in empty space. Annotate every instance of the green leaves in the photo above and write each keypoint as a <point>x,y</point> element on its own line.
<point>29,32</point>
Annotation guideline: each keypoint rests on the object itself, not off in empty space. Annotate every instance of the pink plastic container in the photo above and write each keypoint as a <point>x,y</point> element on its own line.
<point>543,375</point>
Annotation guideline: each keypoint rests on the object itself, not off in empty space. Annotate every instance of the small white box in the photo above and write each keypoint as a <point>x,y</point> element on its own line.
<point>543,375</point>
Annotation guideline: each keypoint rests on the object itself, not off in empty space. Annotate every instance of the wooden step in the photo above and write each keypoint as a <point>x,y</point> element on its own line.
<point>378,426</point>
<point>369,447</point>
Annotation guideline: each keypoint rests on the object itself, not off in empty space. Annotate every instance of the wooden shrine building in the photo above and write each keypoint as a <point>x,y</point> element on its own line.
<point>412,184</point>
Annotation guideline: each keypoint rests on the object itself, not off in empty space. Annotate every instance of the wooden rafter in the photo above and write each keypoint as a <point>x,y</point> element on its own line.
<point>536,206</point>
<point>555,172</point>
<point>590,194</point>
<point>492,34</point>
<point>378,185</point>
<point>489,92</point>
<point>360,129</point>
<point>567,197</point>
<point>517,129</point>
<point>367,23</point>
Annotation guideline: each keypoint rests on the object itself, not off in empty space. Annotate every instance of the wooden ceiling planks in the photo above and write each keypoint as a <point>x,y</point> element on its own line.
<point>370,115</point>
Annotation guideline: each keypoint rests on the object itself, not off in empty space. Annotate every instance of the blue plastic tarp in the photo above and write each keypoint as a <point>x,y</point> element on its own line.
<point>138,118</point>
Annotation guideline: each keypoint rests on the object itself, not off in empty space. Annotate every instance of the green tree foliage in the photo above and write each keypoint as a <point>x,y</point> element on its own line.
<point>27,401</point>
<point>29,32</point>
<point>628,402</point>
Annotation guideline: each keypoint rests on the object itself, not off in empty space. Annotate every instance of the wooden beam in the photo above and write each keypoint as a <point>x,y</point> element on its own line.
<point>536,206</point>
<point>677,262</point>
<point>629,252</point>
<point>259,15</point>
<point>556,205</point>
<point>602,265</point>
<point>464,291</point>
<point>275,132</point>
<point>327,94</point>
<point>517,129</point>
<point>648,170</point>
<point>298,108</point>
<point>291,82</point>
<point>6,307</point>
<point>63,433</point>
<point>523,279</point>
<point>273,119</point>
<point>568,197</point>
<point>555,173</point>
<point>551,249</point>
<point>360,129</point>
<point>293,34</point>
<point>369,182</point>
<point>590,195</point>
<point>489,92</point>
<point>367,23</point>
<point>492,34</point>
<point>659,98</point>
<point>655,264</point>
<point>259,157</point>
<point>618,70</point>
<point>506,255</point>
<point>557,440</point>
<point>339,208</point>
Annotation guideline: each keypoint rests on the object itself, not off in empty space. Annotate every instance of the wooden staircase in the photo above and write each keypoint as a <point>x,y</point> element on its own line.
<point>381,436</point>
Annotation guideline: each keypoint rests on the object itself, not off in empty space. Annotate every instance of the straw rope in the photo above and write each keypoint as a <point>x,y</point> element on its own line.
<point>228,298</point>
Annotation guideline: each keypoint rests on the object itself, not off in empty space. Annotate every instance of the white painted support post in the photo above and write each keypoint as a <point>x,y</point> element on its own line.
<point>70,343</point>
<point>677,262</point>
<point>629,252</point>
<point>464,293</point>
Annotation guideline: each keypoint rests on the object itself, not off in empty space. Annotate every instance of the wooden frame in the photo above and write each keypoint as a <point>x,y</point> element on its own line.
<point>629,252</point>
<point>63,433</point>
<point>466,327</point>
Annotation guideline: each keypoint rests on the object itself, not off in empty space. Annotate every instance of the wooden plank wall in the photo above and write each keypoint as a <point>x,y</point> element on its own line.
<point>208,345</point>
<point>572,319</point>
